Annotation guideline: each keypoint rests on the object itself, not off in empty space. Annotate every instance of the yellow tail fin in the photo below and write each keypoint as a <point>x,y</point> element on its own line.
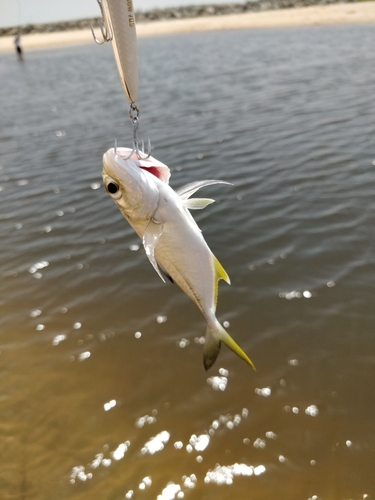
<point>212,346</point>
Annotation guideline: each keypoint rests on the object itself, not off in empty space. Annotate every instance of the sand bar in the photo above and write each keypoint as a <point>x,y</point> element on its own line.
<point>346,13</point>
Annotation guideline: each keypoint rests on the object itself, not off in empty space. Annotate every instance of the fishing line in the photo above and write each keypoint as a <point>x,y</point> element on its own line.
<point>19,13</point>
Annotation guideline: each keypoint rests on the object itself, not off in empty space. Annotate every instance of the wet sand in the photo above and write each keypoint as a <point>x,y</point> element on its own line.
<point>347,13</point>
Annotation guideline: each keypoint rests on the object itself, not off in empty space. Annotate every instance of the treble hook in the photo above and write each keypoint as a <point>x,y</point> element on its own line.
<point>103,25</point>
<point>134,118</point>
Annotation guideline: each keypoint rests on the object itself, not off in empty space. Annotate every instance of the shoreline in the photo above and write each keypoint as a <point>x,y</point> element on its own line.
<point>316,15</point>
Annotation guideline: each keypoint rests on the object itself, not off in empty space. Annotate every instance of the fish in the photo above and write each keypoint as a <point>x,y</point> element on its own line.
<point>172,240</point>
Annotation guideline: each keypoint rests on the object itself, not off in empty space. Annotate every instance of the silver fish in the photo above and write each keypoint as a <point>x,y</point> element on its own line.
<point>172,240</point>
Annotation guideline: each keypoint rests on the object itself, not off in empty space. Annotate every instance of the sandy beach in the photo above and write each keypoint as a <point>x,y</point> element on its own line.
<point>346,13</point>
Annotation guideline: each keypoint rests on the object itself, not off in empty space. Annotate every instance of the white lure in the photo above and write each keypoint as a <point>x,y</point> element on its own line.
<point>172,240</point>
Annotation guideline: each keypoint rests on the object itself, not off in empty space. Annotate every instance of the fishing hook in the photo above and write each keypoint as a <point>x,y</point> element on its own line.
<point>134,118</point>
<point>104,28</point>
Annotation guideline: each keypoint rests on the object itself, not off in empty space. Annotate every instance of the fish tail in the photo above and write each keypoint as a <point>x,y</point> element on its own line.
<point>214,337</point>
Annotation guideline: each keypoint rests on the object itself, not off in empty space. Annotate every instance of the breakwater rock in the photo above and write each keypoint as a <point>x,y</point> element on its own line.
<point>230,8</point>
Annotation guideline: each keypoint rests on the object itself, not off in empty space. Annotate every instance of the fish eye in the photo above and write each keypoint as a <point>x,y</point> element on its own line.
<point>113,189</point>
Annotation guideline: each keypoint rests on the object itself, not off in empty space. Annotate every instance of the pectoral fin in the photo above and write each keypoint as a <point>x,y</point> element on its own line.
<point>197,203</point>
<point>165,273</point>
<point>150,239</point>
<point>188,190</point>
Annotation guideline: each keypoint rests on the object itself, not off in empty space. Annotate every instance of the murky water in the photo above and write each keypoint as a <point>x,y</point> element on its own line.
<point>103,394</point>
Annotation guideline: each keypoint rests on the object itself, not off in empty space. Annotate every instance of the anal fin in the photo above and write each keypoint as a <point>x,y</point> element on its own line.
<point>220,271</point>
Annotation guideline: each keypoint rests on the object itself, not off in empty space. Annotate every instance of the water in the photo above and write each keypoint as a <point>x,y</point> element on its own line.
<point>103,393</point>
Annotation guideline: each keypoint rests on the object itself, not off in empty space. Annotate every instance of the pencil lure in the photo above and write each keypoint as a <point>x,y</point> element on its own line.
<point>171,238</point>
<point>118,27</point>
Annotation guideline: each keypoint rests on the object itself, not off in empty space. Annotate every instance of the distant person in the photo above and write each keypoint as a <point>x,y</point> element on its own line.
<point>17,43</point>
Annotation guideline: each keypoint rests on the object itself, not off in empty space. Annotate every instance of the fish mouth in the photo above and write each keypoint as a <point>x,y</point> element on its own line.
<point>150,165</point>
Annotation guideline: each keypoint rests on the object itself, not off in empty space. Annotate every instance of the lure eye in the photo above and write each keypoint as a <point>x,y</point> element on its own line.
<point>113,189</point>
